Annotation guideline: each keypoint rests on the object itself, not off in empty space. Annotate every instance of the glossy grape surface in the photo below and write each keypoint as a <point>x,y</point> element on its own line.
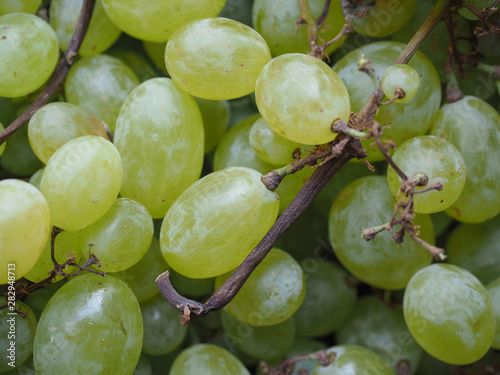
<point>19,6</point>
<point>400,76</point>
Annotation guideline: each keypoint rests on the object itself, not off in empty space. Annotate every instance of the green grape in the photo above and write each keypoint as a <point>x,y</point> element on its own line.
<point>101,33</point>
<point>304,347</point>
<point>38,300</point>
<point>477,4</point>
<point>139,65</point>
<point>57,123</point>
<point>383,263</point>
<point>493,290</point>
<point>448,312</point>
<point>472,126</point>
<point>142,275</point>
<point>24,227</point>
<point>2,146</point>
<point>222,341</point>
<point>29,53</point>
<point>277,22</point>
<point>143,367</point>
<point>36,178</point>
<point>92,325</point>
<point>216,58</point>
<point>67,245</point>
<point>121,237</point>
<point>19,6</point>
<point>207,359</point>
<point>166,138</point>
<point>18,333</point>
<point>209,229</point>
<point>18,157</point>
<point>272,294</point>
<point>100,85</point>
<point>441,222</point>
<point>319,314</point>
<point>375,326</point>
<point>400,76</point>
<point>234,149</point>
<point>439,160</point>
<point>191,287</point>
<point>353,360</point>
<point>156,53</point>
<point>406,120</point>
<point>475,248</point>
<point>215,116</point>
<point>431,365</point>
<point>81,181</point>
<point>299,96</point>
<point>156,21</point>
<point>269,145</point>
<point>162,330</point>
<point>240,11</point>
<point>291,185</point>
<point>383,18</point>
<point>266,343</point>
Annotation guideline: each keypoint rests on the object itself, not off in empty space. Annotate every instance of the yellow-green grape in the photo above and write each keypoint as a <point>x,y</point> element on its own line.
<point>156,52</point>
<point>156,21</point>
<point>381,262</point>
<point>477,4</point>
<point>191,287</point>
<point>276,21</point>
<point>449,314</point>
<point>406,120</point>
<point>216,222</point>
<point>100,84</point>
<point>91,325</point>
<point>121,237</point>
<point>207,359</point>
<point>18,157</point>
<point>2,146</point>
<point>439,160</point>
<point>291,185</point>
<point>19,6</point>
<point>267,343</point>
<point>234,149</point>
<point>18,334</point>
<point>493,290</point>
<point>319,314</point>
<point>57,123</point>
<point>29,52</point>
<point>272,294</point>
<point>215,115</point>
<point>81,181</point>
<point>36,178</point>
<point>141,67</point>
<point>299,96</point>
<point>67,245</point>
<point>159,125</point>
<point>101,33</point>
<point>24,227</point>
<point>269,145</point>
<point>162,331</point>
<point>216,58</point>
<point>353,360</point>
<point>400,76</point>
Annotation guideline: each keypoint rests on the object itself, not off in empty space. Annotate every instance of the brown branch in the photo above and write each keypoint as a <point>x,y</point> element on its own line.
<point>322,17</point>
<point>60,72</point>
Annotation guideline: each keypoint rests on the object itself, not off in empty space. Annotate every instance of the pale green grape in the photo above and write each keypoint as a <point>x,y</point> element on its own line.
<point>449,314</point>
<point>140,66</point>
<point>375,326</point>
<point>277,22</point>
<point>143,367</point>
<point>383,263</point>
<point>353,360</point>
<point>477,4</point>
<point>207,359</point>
<point>2,146</point>
<point>215,115</point>
<point>299,96</point>
<point>439,160</point>
<point>291,185</point>
<point>156,52</point>
<point>406,120</point>
<point>29,53</point>
<point>57,123</point>
<point>121,237</point>
<point>272,294</point>
<point>19,6</point>
<point>101,33</point>
<point>265,343</point>
<point>81,181</point>
<point>191,287</point>
<point>100,85</point>
<point>92,325</point>
<point>473,127</point>
<point>162,330</point>
<point>67,245</point>
<point>216,58</point>
<point>36,178</point>
<point>142,275</point>
<point>216,222</point>
<point>167,138</point>
<point>400,76</point>
<point>320,314</point>
<point>24,227</point>
<point>493,290</point>
<point>304,347</point>
<point>18,334</point>
<point>269,145</point>
<point>156,20</point>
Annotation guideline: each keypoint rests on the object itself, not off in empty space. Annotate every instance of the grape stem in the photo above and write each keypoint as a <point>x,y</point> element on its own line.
<point>494,70</point>
<point>453,92</point>
<point>482,15</point>
<point>60,72</point>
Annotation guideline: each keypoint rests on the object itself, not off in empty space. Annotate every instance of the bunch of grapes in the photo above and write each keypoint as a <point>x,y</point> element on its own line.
<point>323,175</point>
